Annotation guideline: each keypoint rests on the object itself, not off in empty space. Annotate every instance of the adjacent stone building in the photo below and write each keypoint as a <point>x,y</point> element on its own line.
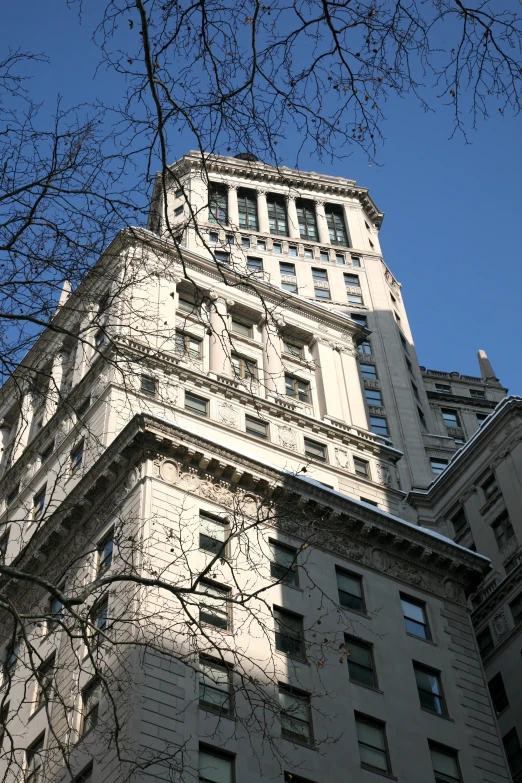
<point>217,569</point>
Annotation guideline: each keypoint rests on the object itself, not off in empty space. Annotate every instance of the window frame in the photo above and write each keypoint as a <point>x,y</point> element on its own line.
<point>287,264</point>
<point>361,473</point>
<point>282,572</point>
<point>149,386</point>
<point>439,461</point>
<point>296,391</point>
<point>245,330</point>
<point>426,624</point>
<point>93,688</point>
<point>369,401</point>
<point>516,755</point>
<point>377,431</point>
<point>444,750</point>
<point>42,686</point>
<point>299,696</point>
<point>353,641</point>
<point>485,650</point>
<point>227,612</point>
<point>375,722</point>
<point>516,612</point>
<point>500,699</point>
<point>340,571</point>
<point>223,549</point>
<point>336,224</point>
<point>247,369</point>
<point>217,204</point>
<point>444,412</point>
<point>307,221</point>
<point>193,410</point>
<point>279,613</point>
<point>99,619</point>
<point>76,456</point>
<point>257,435</point>
<point>101,560</point>
<point>254,264</point>
<point>210,751</point>
<point>39,503</point>
<point>277,215</point>
<point>438,697</point>
<point>504,533</point>
<point>320,447</point>
<point>35,749</point>
<point>207,660</point>
<point>247,209</point>
<point>188,351</point>
<point>293,349</point>
<point>369,371</point>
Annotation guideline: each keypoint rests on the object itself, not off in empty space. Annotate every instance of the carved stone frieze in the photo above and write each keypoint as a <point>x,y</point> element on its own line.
<point>228,414</point>
<point>288,438</point>
<point>342,458</point>
<point>499,624</point>
<point>384,475</point>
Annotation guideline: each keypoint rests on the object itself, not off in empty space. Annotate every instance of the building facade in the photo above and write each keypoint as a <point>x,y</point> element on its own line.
<point>206,531</point>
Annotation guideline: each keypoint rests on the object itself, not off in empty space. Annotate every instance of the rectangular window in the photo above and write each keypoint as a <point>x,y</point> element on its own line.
<point>256,427</point>
<point>148,385</point>
<point>485,642</point>
<point>361,467</point>
<point>55,611</point>
<point>254,264</point>
<point>459,520</point>
<point>450,417</point>
<point>320,274</point>
<point>362,320</point>
<point>356,261</point>
<point>365,348</point>
<point>361,667</point>
<point>498,693</point>
<point>215,686</point>
<point>44,681</point>
<point>47,452</point>
<point>247,207</point>
<point>372,743</point>
<point>295,714</point>
<point>322,293</point>
<point>213,236</point>
<point>371,502</point>
<point>283,566</point>
<point>292,250</point>
<point>355,299</point>
<point>308,252</point>
<point>296,388</point>
<point>13,495</point>
<point>350,590</point>
<point>350,279</point>
<point>339,258</point>
<point>261,244</point>
<point>378,425</point>
<point>39,503</point>
<point>503,529</point>
<point>369,371</point>
<point>415,390</point>
<point>336,226</point>
<point>76,457</point>
<point>287,268</point>
<point>277,248</point>
<point>187,304</point>
<point>241,327</point>
<point>245,369</point>
<point>315,450</point>
<point>415,620</point>
<point>373,397</point>
<point>289,637</point>
<point>195,404</point>
<point>516,609</point>
<point>490,487</point>
<point>99,338</point>
<point>306,220</point>
<point>90,706</point>
<point>293,349</point>
<point>215,767</point>
<point>213,534</point>
<point>277,215</point>
<point>430,689</point>
<point>442,388</point>
<point>11,658</point>
<point>185,345</point>
<point>99,618</point>
<point>4,715</point>
<point>222,257</point>
<point>513,750</point>
<point>477,394</point>
<point>438,464</point>
<point>178,193</point>
<point>291,778</point>
<point>83,408</point>
<point>105,553</point>
<point>290,288</point>
<point>34,761</point>
<point>481,418</point>
<point>178,211</point>
<point>445,764</point>
<point>214,605</point>
<point>85,775</point>
<point>245,242</point>
<point>217,204</point>
<point>323,255</point>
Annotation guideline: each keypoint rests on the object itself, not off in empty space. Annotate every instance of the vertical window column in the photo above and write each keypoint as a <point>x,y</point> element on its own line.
<point>352,383</point>
<point>219,351</point>
<point>293,223</point>
<point>322,227</point>
<point>273,371</point>
<point>262,212</point>
<point>233,209</point>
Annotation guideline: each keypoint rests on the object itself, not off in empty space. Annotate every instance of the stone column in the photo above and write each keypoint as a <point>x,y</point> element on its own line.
<point>325,375</point>
<point>343,392</point>
<point>322,228</point>
<point>353,385</point>
<point>55,385</point>
<point>352,227</point>
<point>219,352</point>
<point>233,211</point>
<point>262,212</point>
<point>84,348</point>
<point>23,426</point>
<point>293,223</point>
<point>273,369</point>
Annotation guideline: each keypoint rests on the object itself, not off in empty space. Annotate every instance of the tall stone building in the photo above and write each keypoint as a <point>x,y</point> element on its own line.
<point>223,556</point>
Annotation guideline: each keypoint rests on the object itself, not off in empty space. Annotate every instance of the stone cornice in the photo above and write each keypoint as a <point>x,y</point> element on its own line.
<point>264,174</point>
<point>460,399</point>
<point>328,519</point>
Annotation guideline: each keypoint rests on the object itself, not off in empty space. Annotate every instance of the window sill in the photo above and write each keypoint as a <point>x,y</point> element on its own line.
<point>217,713</point>
<point>287,657</point>
<point>379,772</point>
<point>356,611</point>
<point>283,584</point>
<point>301,743</point>
<point>437,714</point>
<point>426,641</point>
<point>368,687</point>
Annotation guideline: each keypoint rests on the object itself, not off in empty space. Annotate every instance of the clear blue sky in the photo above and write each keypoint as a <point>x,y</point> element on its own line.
<point>451,231</point>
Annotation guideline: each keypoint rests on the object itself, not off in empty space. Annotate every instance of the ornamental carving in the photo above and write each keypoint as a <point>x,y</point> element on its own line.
<point>342,458</point>
<point>27,475</point>
<point>287,438</point>
<point>63,430</point>
<point>169,471</point>
<point>384,475</point>
<point>132,478</point>
<point>99,384</point>
<point>380,560</point>
<point>499,624</point>
<point>228,414</point>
